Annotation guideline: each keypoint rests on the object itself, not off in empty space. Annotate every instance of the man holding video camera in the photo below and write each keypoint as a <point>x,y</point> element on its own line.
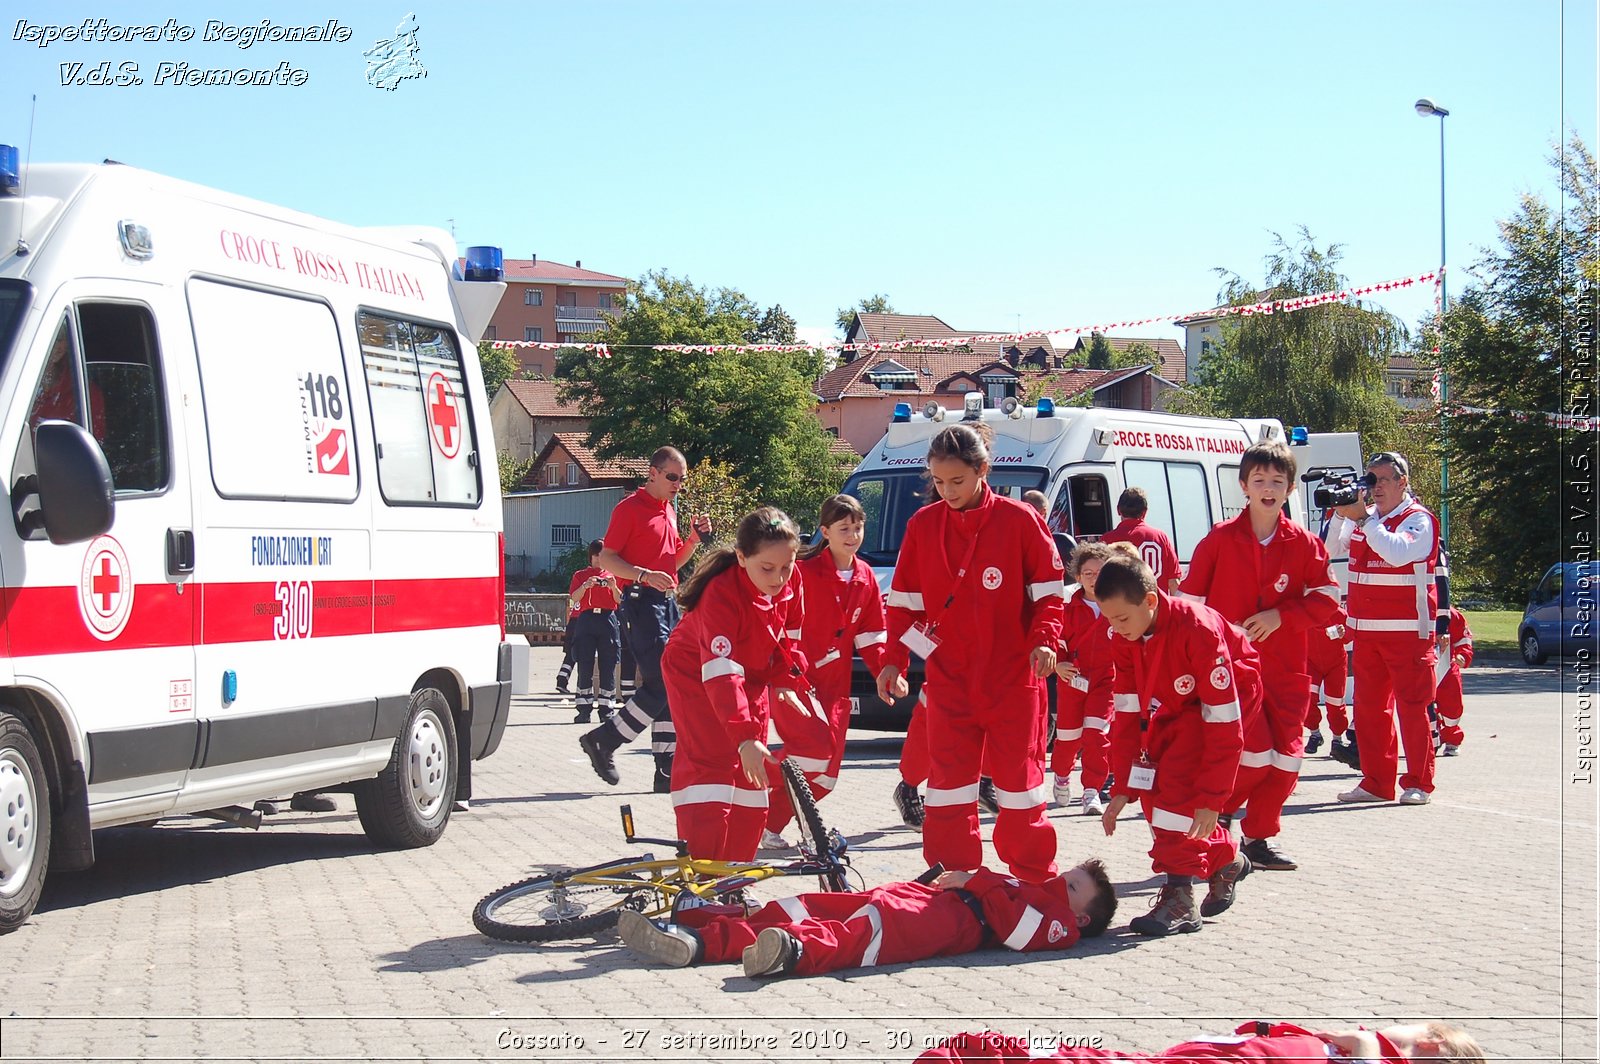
<point>1393,543</point>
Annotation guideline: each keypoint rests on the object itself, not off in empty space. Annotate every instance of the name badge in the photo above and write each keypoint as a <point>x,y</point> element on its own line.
<point>921,640</point>
<point>1142,777</point>
<point>1080,682</point>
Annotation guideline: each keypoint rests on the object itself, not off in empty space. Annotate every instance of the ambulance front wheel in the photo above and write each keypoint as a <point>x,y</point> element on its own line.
<point>24,823</point>
<point>408,804</point>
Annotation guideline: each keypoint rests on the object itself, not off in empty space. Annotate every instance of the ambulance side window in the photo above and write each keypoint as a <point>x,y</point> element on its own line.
<point>420,415</point>
<point>1060,519</point>
<point>1229,491</point>
<point>1180,503</point>
<point>1091,507</point>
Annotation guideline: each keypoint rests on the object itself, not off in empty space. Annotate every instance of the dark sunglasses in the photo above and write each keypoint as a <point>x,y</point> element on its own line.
<point>674,477</point>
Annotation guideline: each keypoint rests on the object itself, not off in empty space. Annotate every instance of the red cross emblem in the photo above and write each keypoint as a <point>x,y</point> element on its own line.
<point>444,416</point>
<point>105,588</point>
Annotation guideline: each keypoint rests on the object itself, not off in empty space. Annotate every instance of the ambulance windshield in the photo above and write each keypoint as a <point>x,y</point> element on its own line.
<point>890,497</point>
<point>13,301</point>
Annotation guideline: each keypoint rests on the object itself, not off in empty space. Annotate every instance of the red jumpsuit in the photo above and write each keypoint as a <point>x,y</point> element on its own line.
<point>1155,547</point>
<point>987,582</point>
<point>1083,712</point>
<point>719,666</point>
<point>1392,610</point>
<point>1448,694</point>
<point>1180,695</point>
<point>1239,577</point>
<point>898,922</point>
<point>843,617</point>
<point>1283,1043</point>
<point>1328,662</point>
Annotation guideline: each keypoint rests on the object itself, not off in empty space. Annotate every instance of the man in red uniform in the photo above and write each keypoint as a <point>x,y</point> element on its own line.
<point>815,933</point>
<point>1448,693</point>
<point>1184,679</point>
<point>1279,1042</point>
<point>1154,545</point>
<point>644,552</point>
<point>1271,577</point>
<point>1393,545</point>
<point>592,631</point>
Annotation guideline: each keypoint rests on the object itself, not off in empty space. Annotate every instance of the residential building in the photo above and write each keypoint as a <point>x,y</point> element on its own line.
<point>1174,363</point>
<point>1201,332</point>
<point>566,463</point>
<point>552,302</point>
<point>526,414</point>
<point>1408,383</point>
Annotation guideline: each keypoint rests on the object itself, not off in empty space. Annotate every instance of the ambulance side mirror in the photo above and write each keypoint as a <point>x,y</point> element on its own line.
<point>76,497</point>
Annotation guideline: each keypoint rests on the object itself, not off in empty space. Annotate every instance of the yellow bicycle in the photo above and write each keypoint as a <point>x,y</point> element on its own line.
<point>572,903</point>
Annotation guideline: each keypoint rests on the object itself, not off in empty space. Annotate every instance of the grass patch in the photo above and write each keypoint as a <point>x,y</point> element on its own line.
<point>1494,631</point>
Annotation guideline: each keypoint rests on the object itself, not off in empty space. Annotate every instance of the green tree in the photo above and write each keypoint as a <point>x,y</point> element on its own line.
<point>714,488</point>
<point>750,409</point>
<point>1510,343</point>
<point>1099,352</point>
<point>512,471</point>
<point>499,365</point>
<point>877,304</point>
<point>1137,353</point>
<point>1322,367</point>
<point>775,327</point>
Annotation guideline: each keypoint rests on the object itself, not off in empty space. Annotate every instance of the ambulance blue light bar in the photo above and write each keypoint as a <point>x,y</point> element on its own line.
<point>484,263</point>
<point>1299,436</point>
<point>8,170</point>
<point>902,413</point>
<point>1046,408</point>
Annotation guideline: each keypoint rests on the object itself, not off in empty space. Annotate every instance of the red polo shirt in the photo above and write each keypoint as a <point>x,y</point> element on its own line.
<point>644,530</point>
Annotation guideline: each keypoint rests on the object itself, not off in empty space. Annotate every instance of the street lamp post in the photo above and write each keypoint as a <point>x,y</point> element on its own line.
<point>1426,108</point>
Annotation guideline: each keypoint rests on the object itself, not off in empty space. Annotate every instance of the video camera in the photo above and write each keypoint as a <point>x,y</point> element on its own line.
<point>1341,489</point>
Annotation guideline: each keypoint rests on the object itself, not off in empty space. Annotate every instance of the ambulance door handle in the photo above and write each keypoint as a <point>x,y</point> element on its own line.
<point>180,551</point>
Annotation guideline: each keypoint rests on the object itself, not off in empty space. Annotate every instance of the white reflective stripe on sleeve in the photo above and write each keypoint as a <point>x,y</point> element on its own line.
<point>1452,721</point>
<point>1331,590</point>
<point>1336,703</point>
<point>1096,723</point>
<point>1046,588</point>
<point>821,784</point>
<point>1220,714</point>
<point>794,907</point>
<point>869,956</point>
<point>1125,703</point>
<point>810,764</point>
<point>720,793</point>
<point>867,639</point>
<point>1371,624</point>
<point>967,795</point>
<point>1063,734</point>
<point>1255,759</point>
<point>1285,762</point>
<point>826,659</point>
<point>1022,799</point>
<point>906,600</point>
<point>720,667</point>
<point>750,799</point>
<point>1463,643</point>
<point>793,633</point>
<point>1167,820</point>
<point>1023,933</point>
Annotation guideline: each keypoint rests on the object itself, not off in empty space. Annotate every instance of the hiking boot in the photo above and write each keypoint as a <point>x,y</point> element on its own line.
<point>1173,913</point>
<point>1313,743</point>
<point>1219,895</point>
<point>908,800</point>
<point>988,799</point>
<point>312,802</point>
<point>594,745</point>
<point>582,717</point>
<point>674,946</point>
<point>1263,854</point>
<point>1346,753</point>
<point>775,953</point>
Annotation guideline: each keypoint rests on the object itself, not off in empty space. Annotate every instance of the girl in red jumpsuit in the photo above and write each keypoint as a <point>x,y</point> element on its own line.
<point>732,655</point>
<point>977,594</point>
<point>1083,711</point>
<point>843,617</point>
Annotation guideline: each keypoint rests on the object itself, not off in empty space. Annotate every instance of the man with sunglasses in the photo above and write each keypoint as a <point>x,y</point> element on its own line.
<point>643,550</point>
<point>1392,601</point>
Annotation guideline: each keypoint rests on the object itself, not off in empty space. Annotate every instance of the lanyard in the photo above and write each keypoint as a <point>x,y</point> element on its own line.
<point>966,562</point>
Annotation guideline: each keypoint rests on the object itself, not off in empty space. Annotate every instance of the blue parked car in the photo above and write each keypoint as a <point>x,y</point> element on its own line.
<point>1560,615</point>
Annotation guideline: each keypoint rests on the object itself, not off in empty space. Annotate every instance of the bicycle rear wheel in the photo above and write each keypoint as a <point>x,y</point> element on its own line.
<point>813,834</point>
<point>552,907</point>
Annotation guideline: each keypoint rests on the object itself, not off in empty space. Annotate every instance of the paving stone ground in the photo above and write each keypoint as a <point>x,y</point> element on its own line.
<point>299,942</point>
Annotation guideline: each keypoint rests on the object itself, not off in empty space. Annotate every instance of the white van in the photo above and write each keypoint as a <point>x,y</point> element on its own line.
<point>256,540</point>
<point>1083,458</point>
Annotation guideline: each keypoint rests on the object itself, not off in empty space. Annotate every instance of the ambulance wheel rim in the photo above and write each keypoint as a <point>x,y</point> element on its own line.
<point>18,822</point>
<point>428,768</point>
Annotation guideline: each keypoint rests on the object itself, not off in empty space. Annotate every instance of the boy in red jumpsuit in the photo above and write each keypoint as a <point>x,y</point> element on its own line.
<point>814,933</point>
<point>1084,673</point>
<point>1328,663</point>
<point>1272,578</point>
<point>1184,679</point>
<point>1154,546</point>
<point>1448,694</point>
<point>1281,1042</point>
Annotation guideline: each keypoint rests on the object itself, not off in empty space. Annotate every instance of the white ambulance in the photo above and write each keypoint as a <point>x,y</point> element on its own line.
<point>1082,458</point>
<point>255,545</point>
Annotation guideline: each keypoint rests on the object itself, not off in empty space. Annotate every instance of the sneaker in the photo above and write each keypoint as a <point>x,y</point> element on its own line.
<point>988,799</point>
<point>1449,750</point>
<point>1313,742</point>
<point>1415,796</point>
<point>1173,913</point>
<point>599,757</point>
<point>1263,854</point>
<point>1093,805</point>
<point>1221,885</point>
<point>775,953</point>
<point>312,802</point>
<point>1061,790</point>
<point>908,800</point>
<point>674,946</point>
<point>1346,754</point>
<point>1359,793</point>
<point>771,840</point>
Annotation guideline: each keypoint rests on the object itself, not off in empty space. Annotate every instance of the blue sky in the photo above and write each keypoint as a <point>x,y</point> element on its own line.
<point>997,164</point>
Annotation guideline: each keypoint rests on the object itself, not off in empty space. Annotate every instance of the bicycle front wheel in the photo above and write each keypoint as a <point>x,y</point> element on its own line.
<point>814,835</point>
<point>553,907</point>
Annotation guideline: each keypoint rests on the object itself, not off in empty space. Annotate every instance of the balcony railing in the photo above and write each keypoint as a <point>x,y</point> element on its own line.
<point>582,313</point>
